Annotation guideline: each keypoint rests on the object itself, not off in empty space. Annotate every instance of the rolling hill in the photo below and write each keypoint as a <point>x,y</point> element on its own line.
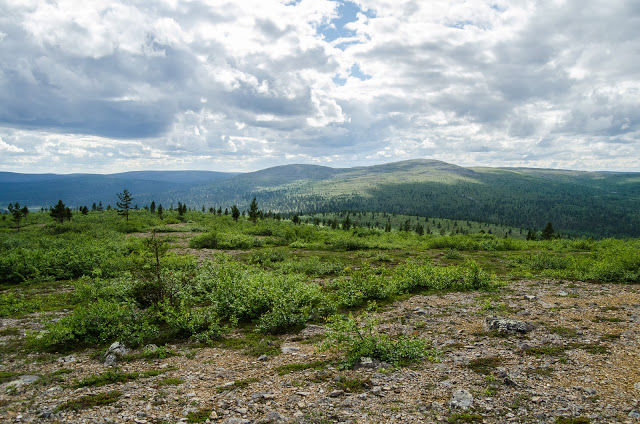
<point>600,204</point>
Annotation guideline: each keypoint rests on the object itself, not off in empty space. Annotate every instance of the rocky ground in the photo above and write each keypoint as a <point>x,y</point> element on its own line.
<point>580,364</point>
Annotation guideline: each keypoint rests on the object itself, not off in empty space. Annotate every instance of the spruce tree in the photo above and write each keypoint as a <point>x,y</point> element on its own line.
<point>253,210</point>
<point>59,212</point>
<point>18,213</point>
<point>548,232</point>
<point>346,224</point>
<point>235,213</point>
<point>124,205</point>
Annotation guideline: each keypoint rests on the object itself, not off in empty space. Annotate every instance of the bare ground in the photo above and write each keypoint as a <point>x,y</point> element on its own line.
<point>582,362</point>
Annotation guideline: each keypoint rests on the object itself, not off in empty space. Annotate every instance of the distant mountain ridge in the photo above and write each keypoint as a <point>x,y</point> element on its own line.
<point>592,203</point>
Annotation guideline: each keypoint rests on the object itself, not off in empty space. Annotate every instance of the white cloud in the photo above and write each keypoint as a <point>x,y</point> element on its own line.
<point>9,148</point>
<point>245,85</point>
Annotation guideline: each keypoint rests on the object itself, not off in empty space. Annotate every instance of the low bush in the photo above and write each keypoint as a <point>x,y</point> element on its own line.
<point>360,338</point>
<point>469,276</point>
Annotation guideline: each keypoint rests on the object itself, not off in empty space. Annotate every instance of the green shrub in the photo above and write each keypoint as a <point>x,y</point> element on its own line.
<point>90,401</point>
<point>360,286</point>
<point>12,304</point>
<point>268,256</point>
<point>96,323</point>
<point>358,339</point>
<point>201,323</point>
<point>411,277</point>
<point>239,292</point>
<point>205,241</point>
<point>217,240</point>
<point>312,265</point>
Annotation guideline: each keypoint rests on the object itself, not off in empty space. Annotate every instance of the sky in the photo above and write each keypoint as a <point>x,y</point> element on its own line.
<point>109,86</point>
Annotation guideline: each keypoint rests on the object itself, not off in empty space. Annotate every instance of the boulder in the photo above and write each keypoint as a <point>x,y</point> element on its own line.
<point>461,399</point>
<point>507,325</point>
<point>116,350</point>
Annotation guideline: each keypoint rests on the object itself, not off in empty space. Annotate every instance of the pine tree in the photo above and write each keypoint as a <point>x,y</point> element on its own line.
<point>124,205</point>
<point>152,208</point>
<point>18,213</point>
<point>253,210</point>
<point>160,211</point>
<point>59,212</point>
<point>235,213</point>
<point>346,224</point>
<point>548,232</point>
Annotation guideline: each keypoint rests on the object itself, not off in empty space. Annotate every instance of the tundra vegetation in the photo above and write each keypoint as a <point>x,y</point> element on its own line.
<point>164,275</point>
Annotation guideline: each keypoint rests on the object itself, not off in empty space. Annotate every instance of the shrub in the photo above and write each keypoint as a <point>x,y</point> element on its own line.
<point>358,339</point>
<point>90,401</point>
<point>201,323</point>
<point>216,240</point>
<point>205,241</point>
<point>268,256</point>
<point>96,323</point>
<point>411,277</point>
<point>362,285</point>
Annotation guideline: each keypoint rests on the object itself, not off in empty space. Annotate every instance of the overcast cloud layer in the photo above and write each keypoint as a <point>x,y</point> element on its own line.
<point>107,86</point>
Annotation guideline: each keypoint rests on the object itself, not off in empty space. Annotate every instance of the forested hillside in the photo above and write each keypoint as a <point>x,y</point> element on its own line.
<point>598,204</point>
<point>595,204</point>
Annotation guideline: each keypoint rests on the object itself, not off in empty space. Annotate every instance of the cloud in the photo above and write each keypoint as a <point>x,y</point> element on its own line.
<point>105,85</point>
<point>9,148</point>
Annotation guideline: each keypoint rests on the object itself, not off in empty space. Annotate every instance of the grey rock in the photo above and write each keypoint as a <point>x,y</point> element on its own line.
<point>530,297</point>
<point>461,399</point>
<point>23,380</point>
<point>336,393</point>
<point>634,414</point>
<point>234,420</point>
<point>263,358</point>
<point>45,414</point>
<point>563,294</point>
<point>116,350</point>
<point>507,325</point>
<point>312,330</point>
<point>436,406</point>
<point>637,386</point>
<point>289,349</point>
<point>507,381</point>
<point>67,359</point>
<point>189,410</point>
<point>272,417</point>
<point>110,360</point>
<point>371,363</point>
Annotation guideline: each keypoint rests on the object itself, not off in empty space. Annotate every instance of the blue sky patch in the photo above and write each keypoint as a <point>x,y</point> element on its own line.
<point>347,12</point>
